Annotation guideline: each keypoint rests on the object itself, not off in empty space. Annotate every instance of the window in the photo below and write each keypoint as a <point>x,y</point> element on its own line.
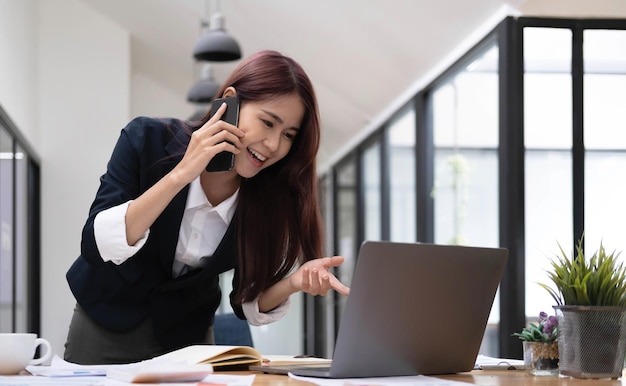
<point>371,171</point>
<point>522,140</point>
<point>7,261</point>
<point>551,105</point>
<point>465,138</point>
<point>401,140</point>
<point>19,233</point>
<point>604,55</point>
<point>346,232</point>
<point>465,132</point>
<point>548,155</point>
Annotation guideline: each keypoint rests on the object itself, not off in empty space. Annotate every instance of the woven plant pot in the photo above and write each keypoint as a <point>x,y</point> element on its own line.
<point>592,341</point>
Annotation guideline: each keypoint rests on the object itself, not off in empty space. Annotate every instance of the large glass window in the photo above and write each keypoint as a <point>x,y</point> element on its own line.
<point>401,140</point>
<point>19,232</point>
<point>21,241</point>
<point>550,132</point>
<point>7,263</point>
<point>465,137</point>
<point>566,99</point>
<point>346,232</point>
<point>371,171</point>
<point>548,157</point>
<point>605,139</point>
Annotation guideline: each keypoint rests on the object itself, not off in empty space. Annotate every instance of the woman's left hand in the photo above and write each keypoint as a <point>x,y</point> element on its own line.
<point>314,277</point>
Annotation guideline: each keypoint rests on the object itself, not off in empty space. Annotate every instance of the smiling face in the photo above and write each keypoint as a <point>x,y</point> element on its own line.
<point>270,127</point>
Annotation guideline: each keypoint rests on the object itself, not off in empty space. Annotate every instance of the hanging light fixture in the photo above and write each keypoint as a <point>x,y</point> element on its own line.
<point>205,89</point>
<point>216,45</point>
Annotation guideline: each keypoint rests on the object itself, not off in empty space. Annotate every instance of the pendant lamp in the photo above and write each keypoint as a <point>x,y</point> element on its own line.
<point>205,89</point>
<point>216,45</point>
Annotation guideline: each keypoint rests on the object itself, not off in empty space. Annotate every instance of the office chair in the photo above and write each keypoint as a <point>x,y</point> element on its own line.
<point>229,330</point>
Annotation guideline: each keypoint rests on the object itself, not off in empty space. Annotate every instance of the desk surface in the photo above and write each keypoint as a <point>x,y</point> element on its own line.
<point>477,377</point>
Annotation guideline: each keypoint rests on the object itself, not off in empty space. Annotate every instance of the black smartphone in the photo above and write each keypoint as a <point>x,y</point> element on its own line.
<point>225,160</point>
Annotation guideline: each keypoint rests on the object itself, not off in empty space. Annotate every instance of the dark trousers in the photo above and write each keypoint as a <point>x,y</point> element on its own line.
<point>89,344</point>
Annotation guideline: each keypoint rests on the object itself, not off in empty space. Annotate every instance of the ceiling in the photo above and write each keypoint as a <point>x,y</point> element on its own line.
<point>363,56</point>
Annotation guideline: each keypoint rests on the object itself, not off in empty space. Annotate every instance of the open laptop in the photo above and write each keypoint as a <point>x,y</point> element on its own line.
<point>413,309</point>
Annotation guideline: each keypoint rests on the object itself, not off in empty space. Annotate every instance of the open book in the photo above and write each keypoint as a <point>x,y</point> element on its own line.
<point>194,363</point>
<point>216,355</point>
<point>188,364</point>
<point>222,356</point>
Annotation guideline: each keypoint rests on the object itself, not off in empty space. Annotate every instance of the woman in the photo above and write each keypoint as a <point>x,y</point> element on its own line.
<point>161,228</point>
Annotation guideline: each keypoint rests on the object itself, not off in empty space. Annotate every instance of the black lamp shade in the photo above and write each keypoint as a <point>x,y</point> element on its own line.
<point>203,91</point>
<point>216,45</point>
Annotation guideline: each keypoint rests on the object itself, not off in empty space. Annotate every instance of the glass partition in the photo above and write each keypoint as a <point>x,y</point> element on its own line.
<point>465,139</point>
<point>605,139</point>
<point>22,275</point>
<point>559,85</point>
<point>548,156</point>
<point>402,211</point>
<point>371,188</point>
<point>346,227</point>
<point>7,261</point>
<point>465,136</point>
<point>346,231</point>
<point>19,232</point>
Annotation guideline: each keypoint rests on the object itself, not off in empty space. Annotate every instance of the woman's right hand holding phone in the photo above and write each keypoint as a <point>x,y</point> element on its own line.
<point>215,136</point>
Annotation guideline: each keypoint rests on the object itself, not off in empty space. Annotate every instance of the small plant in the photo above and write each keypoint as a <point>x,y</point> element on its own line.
<point>599,281</point>
<point>591,300</point>
<point>545,330</point>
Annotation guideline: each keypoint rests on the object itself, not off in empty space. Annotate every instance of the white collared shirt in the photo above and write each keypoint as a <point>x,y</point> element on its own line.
<point>203,227</point>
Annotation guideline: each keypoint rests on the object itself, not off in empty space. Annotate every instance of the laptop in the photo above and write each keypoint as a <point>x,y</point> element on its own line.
<point>413,308</point>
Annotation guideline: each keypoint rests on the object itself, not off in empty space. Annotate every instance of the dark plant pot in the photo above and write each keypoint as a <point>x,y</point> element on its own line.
<point>592,341</point>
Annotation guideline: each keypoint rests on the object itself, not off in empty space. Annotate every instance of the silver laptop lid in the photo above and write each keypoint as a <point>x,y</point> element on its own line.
<point>416,309</point>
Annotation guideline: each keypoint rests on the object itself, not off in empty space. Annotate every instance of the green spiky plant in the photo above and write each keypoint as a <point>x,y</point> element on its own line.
<point>579,281</point>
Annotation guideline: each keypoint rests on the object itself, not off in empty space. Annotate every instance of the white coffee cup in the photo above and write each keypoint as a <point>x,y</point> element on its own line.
<point>17,352</point>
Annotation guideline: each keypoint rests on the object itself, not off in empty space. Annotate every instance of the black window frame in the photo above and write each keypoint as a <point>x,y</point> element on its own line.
<point>33,230</point>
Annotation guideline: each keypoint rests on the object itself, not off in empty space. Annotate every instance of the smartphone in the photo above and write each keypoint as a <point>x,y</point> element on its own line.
<point>225,160</point>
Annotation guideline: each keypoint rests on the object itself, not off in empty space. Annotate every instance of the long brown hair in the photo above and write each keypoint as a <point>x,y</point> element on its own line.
<point>278,216</point>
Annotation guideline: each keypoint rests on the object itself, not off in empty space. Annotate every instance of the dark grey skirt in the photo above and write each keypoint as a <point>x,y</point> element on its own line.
<point>89,344</point>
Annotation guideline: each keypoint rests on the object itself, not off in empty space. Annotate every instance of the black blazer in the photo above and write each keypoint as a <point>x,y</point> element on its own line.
<point>120,297</point>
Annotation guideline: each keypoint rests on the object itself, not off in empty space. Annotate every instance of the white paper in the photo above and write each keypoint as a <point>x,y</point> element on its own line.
<point>60,368</point>
<point>32,380</point>
<point>421,380</point>
<point>61,372</point>
<point>490,363</point>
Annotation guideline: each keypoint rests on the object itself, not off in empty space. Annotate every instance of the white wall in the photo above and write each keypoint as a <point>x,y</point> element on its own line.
<point>84,68</point>
<point>65,75</point>
<point>574,8</point>
<point>18,65</point>
<point>152,99</point>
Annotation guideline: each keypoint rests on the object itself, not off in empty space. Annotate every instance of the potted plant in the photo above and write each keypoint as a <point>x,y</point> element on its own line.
<point>590,298</point>
<point>541,349</point>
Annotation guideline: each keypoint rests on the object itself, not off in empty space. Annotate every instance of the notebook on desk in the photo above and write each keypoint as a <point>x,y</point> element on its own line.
<point>413,309</point>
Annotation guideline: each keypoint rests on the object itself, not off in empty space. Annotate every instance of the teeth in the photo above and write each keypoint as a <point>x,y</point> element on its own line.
<point>258,156</point>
